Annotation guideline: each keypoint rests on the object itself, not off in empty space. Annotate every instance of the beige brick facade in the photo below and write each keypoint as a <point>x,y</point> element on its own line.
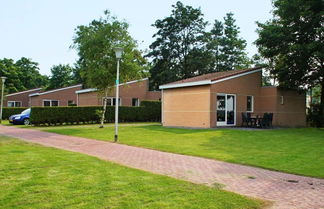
<point>196,106</point>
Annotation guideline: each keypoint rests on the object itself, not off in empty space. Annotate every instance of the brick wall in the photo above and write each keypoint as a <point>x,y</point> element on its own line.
<point>126,92</point>
<point>22,97</point>
<point>186,107</point>
<point>63,96</point>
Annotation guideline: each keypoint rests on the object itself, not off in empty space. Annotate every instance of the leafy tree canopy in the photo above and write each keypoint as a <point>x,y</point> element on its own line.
<point>97,62</point>
<point>61,76</point>
<point>184,49</point>
<point>21,75</point>
<point>293,42</point>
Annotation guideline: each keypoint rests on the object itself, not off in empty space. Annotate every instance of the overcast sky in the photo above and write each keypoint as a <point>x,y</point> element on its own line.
<point>42,29</point>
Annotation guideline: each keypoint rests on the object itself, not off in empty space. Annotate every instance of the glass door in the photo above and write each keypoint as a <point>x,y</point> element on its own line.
<point>226,111</point>
<point>221,110</point>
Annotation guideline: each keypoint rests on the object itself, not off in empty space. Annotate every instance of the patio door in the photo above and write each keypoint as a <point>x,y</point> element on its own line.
<point>226,109</point>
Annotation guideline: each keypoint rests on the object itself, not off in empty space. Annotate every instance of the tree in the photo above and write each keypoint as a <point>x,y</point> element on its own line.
<point>178,39</point>
<point>215,39</point>
<point>61,76</point>
<point>28,72</point>
<point>293,41</point>
<point>21,75</point>
<point>95,43</point>
<point>232,47</point>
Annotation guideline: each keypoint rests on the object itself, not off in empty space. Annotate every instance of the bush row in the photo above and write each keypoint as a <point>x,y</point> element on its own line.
<point>9,111</point>
<point>315,117</point>
<point>149,111</point>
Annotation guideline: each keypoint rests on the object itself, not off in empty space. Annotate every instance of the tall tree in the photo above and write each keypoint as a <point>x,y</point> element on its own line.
<point>214,44</point>
<point>178,39</point>
<point>95,43</point>
<point>61,76</point>
<point>232,47</point>
<point>21,75</point>
<point>29,74</point>
<point>293,41</point>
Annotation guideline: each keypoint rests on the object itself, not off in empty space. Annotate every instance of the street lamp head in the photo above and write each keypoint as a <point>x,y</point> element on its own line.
<point>119,52</point>
<point>3,79</point>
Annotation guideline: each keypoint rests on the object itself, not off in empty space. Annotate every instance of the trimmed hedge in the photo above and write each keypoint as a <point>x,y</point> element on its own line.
<point>149,111</point>
<point>9,111</point>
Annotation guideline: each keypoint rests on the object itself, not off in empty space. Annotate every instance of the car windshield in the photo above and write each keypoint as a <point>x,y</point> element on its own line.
<point>26,112</point>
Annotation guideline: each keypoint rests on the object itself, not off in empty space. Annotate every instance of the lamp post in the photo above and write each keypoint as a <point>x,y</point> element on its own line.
<point>3,79</point>
<point>118,52</point>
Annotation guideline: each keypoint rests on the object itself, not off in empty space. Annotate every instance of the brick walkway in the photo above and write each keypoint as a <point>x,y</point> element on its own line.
<point>285,190</point>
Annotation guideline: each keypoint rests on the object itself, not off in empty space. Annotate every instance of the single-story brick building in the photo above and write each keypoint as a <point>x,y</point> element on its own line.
<point>20,99</point>
<point>218,99</point>
<point>57,97</point>
<point>131,94</point>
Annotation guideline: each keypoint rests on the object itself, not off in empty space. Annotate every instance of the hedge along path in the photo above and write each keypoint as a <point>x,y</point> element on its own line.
<point>286,190</point>
<point>149,111</point>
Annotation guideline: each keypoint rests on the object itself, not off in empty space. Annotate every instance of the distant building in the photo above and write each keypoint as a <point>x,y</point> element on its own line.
<point>131,94</point>
<point>20,99</point>
<point>57,97</point>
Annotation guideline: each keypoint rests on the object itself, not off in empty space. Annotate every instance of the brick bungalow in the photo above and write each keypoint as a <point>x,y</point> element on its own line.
<point>218,99</point>
<point>20,99</point>
<point>57,97</point>
<point>131,94</point>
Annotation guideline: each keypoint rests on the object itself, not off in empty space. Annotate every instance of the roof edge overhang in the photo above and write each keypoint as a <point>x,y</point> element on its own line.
<point>23,92</point>
<point>208,82</point>
<point>122,84</point>
<point>55,90</point>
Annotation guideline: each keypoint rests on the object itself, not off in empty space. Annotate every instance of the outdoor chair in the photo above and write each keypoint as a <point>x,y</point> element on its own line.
<point>266,121</point>
<point>270,119</point>
<point>246,119</point>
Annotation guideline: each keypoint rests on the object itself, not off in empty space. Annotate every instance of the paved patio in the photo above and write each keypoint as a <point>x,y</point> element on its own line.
<point>287,191</point>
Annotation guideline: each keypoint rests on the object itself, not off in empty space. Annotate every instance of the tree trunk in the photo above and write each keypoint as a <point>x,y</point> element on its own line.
<point>104,109</point>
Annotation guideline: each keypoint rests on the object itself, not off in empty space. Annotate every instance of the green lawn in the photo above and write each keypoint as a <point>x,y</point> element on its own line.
<point>33,176</point>
<point>299,151</point>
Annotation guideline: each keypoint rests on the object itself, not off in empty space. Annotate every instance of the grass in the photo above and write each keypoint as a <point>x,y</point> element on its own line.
<point>33,176</point>
<point>298,151</point>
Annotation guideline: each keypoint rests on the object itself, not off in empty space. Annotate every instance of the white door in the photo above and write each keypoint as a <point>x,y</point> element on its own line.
<point>226,109</point>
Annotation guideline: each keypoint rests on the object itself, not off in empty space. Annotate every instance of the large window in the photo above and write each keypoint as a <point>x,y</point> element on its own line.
<point>135,102</point>
<point>249,103</point>
<point>50,103</point>
<point>14,104</point>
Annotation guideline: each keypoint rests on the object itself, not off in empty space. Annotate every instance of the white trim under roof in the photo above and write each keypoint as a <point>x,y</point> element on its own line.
<point>206,82</point>
<point>85,90</point>
<point>22,92</point>
<point>94,89</point>
<point>55,90</point>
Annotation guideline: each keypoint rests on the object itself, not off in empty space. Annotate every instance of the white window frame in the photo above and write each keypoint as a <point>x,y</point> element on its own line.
<point>49,100</point>
<point>138,102</point>
<point>14,103</point>
<point>224,123</point>
<point>112,101</point>
<point>252,103</point>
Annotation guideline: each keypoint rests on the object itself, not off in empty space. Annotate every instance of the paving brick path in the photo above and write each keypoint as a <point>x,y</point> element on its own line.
<point>285,190</point>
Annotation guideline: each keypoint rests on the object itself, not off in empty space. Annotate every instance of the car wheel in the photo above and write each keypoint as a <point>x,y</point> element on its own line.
<point>26,121</point>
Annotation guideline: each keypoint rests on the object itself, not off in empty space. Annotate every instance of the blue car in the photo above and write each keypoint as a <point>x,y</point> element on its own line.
<point>22,118</point>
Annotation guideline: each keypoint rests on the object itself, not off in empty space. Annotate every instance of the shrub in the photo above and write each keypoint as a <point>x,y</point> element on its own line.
<point>9,111</point>
<point>315,116</point>
<point>149,111</point>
